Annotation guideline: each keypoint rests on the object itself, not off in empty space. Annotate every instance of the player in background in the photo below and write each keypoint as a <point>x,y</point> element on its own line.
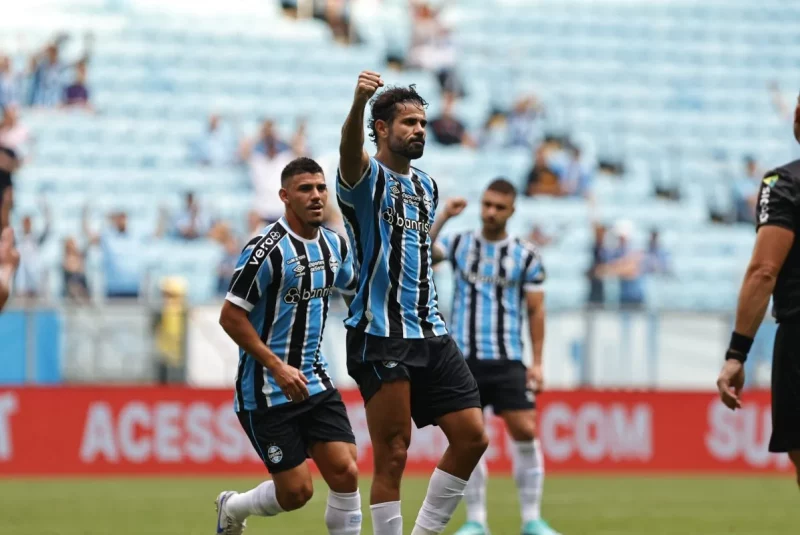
<point>9,260</point>
<point>498,279</point>
<point>774,270</point>
<point>399,352</point>
<point>275,311</point>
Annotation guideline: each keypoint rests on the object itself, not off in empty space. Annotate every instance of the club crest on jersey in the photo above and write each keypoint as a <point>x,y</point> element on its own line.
<point>274,454</point>
<point>394,189</point>
<point>508,263</point>
<point>428,202</point>
<point>333,264</point>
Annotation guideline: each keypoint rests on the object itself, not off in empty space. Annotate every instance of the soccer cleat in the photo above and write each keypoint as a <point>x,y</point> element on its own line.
<point>472,528</point>
<point>226,524</point>
<point>538,527</point>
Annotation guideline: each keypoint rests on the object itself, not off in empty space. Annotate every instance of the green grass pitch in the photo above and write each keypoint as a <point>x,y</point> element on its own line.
<point>574,505</point>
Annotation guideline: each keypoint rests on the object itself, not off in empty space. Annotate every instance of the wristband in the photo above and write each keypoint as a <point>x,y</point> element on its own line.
<point>739,347</point>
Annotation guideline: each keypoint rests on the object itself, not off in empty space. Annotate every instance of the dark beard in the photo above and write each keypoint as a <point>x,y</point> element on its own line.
<point>407,152</point>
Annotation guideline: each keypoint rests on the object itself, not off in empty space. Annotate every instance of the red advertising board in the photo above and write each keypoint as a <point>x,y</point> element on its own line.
<point>50,431</point>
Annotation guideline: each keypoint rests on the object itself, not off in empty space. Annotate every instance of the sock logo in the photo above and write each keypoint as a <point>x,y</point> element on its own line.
<point>274,454</point>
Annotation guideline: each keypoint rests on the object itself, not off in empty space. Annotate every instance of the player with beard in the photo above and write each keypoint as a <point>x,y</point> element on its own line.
<point>774,271</point>
<point>498,288</point>
<point>275,311</point>
<point>398,349</point>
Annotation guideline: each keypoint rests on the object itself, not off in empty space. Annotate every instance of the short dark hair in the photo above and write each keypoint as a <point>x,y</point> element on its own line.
<point>384,109</point>
<point>501,185</point>
<point>299,166</point>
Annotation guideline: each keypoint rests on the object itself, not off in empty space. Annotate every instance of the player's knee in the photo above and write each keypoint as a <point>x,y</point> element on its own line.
<point>296,494</point>
<point>345,477</point>
<point>393,457</point>
<point>472,442</point>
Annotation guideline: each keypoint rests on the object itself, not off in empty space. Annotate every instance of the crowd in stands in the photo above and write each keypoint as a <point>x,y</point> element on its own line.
<point>559,167</point>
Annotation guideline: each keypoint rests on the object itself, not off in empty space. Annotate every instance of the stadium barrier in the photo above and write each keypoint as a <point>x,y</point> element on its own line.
<point>152,430</point>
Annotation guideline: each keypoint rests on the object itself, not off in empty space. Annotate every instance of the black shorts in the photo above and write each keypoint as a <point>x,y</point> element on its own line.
<point>786,389</point>
<point>502,384</point>
<point>441,382</point>
<point>283,434</point>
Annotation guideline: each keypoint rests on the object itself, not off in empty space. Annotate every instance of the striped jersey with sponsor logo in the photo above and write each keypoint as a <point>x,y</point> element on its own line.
<point>284,281</point>
<point>491,279</point>
<point>388,218</point>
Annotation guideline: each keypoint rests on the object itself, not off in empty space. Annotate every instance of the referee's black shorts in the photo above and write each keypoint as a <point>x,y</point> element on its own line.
<point>786,389</point>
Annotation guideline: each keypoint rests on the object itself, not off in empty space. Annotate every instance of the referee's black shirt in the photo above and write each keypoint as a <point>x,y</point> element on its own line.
<point>779,204</point>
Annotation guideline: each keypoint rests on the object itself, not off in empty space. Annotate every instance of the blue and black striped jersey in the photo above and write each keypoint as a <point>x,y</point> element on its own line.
<point>284,282</point>
<point>388,218</point>
<point>491,279</point>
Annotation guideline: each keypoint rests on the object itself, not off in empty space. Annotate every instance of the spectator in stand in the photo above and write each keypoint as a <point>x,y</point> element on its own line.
<point>657,259</point>
<point>14,141</point>
<point>523,123</point>
<point>46,79</point>
<point>47,70</point>
<point>745,191</point>
<point>76,95</point>
<point>495,131</point>
<point>30,274</point>
<point>266,158</point>
<point>73,268</point>
<point>628,265</point>
<point>232,250</point>
<point>542,179</point>
<point>575,177</point>
<point>337,14</point>
<point>123,255</point>
<point>600,254</point>
<point>216,147</point>
<point>192,223</point>
<point>9,83</point>
<point>432,46</point>
<point>446,128</point>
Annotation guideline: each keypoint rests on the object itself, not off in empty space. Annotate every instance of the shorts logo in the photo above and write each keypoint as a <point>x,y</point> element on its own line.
<point>389,364</point>
<point>529,396</point>
<point>274,454</point>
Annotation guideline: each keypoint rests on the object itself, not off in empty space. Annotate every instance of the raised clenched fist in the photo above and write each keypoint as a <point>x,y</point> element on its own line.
<point>368,83</point>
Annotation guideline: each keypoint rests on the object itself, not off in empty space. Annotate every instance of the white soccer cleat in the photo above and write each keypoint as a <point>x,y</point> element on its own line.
<point>226,524</point>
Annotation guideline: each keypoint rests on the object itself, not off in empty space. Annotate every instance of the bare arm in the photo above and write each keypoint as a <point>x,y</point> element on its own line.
<point>353,159</point>
<point>536,317</point>
<point>772,247</point>
<point>452,208</point>
<point>236,324</point>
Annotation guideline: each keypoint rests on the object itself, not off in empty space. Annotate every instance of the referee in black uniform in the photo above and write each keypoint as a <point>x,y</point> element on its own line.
<point>774,270</point>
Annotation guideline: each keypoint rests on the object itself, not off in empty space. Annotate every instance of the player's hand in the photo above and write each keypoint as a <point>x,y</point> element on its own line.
<point>292,382</point>
<point>9,257</point>
<point>368,84</point>
<point>454,206</point>
<point>731,383</point>
<point>535,379</point>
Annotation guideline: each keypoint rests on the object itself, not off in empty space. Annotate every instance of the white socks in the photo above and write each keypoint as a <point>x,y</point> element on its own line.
<point>343,515</point>
<point>444,493</point>
<point>261,501</point>
<point>475,494</point>
<point>529,475</point>
<point>387,519</point>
